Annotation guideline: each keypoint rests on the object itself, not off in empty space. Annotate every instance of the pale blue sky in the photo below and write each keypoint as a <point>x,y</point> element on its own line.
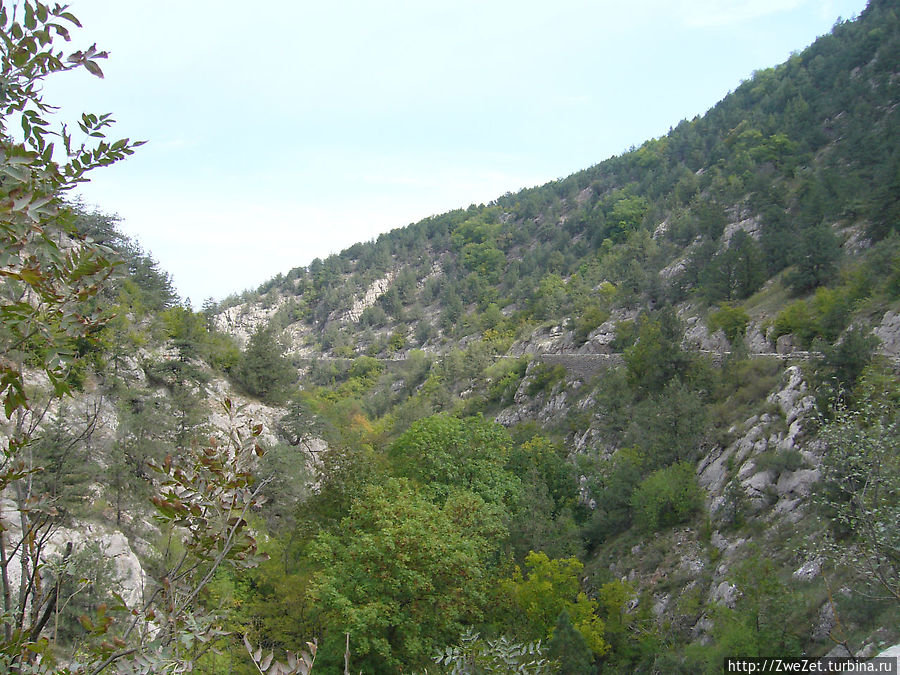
<point>283,131</point>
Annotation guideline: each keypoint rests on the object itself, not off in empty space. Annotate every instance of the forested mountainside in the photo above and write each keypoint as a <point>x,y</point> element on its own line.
<point>631,376</point>
<point>635,420</point>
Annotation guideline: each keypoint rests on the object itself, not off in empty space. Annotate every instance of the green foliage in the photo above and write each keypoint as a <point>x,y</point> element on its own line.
<point>401,579</point>
<point>550,298</point>
<point>264,371</point>
<point>190,334</point>
<point>764,617</point>
<point>632,632</point>
<point>626,334</point>
<point>551,587</point>
<point>544,376</point>
<point>48,269</point>
<point>589,319</point>
<point>736,273</point>
<point>666,497</point>
<point>544,519</point>
<point>505,376</point>
<point>795,148</point>
<point>475,655</point>
<point>397,342</point>
<point>732,320</point>
<point>538,525</point>
<point>779,461</point>
<point>861,481</point>
<point>287,475</point>
<point>614,486</point>
<point>668,426</point>
<point>656,356</point>
<point>365,367</point>
<point>846,360</point>
<point>817,259</point>
<point>568,648</point>
<point>824,316</point>
<point>443,453</point>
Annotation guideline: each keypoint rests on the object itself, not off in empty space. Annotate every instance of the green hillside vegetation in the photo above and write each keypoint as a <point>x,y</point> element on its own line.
<point>505,458</point>
<point>804,156</point>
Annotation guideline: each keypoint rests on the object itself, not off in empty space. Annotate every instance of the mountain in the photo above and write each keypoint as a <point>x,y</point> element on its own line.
<point>701,301</point>
<point>635,420</point>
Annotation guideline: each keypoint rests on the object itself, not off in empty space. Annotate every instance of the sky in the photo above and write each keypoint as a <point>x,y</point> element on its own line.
<point>288,130</point>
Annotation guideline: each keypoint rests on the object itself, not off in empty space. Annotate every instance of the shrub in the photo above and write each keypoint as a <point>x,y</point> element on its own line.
<point>544,376</point>
<point>666,497</point>
<point>732,320</point>
<point>780,461</point>
<point>365,366</point>
<point>589,319</point>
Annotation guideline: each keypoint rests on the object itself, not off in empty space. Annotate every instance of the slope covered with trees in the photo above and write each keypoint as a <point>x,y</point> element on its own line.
<point>629,421</point>
<point>660,338</point>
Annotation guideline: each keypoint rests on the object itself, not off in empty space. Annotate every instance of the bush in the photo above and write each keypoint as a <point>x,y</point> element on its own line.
<point>365,366</point>
<point>543,376</point>
<point>590,318</point>
<point>780,461</point>
<point>666,497</point>
<point>732,320</point>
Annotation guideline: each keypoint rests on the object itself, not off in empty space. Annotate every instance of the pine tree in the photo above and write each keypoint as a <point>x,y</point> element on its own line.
<point>265,372</point>
<point>568,648</point>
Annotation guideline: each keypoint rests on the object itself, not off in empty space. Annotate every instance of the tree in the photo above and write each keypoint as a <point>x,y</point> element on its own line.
<point>817,258</point>
<point>764,617</point>
<point>402,578</point>
<point>861,477</point>
<point>49,272</point>
<point>656,356</point>
<point>568,648</point>
<point>732,320</point>
<point>550,587</point>
<point>737,272</point>
<point>668,426</point>
<point>666,497</point>
<point>264,371</point>
<point>476,655</point>
<point>443,453</point>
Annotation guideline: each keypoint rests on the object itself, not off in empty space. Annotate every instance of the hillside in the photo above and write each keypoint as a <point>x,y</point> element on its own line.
<point>701,301</point>
<point>646,415</point>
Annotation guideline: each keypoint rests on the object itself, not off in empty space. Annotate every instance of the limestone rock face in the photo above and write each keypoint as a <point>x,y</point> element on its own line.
<point>550,340</point>
<point>751,225</point>
<point>378,288</point>
<point>129,580</point>
<point>241,321</point>
<point>771,434</point>
<point>756,341</point>
<point>889,334</point>
<point>252,411</point>
<point>697,336</point>
<point>600,339</point>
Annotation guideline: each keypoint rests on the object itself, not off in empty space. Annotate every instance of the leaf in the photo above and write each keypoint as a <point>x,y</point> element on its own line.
<point>267,661</point>
<point>93,69</point>
<point>68,16</point>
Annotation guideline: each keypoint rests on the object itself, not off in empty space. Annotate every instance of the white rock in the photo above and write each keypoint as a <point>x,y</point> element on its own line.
<point>797,483</point>
<point>378,288</point>
<point>725,594</point>
<point>889,334</point>
<point>892,652</point>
